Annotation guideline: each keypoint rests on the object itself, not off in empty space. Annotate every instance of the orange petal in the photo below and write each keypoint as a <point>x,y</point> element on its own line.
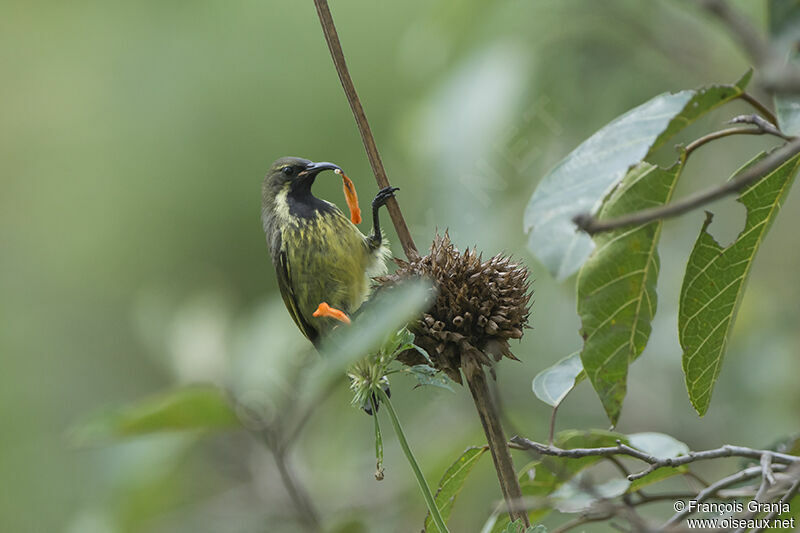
<point>331,312</point>
<point>351,197</point>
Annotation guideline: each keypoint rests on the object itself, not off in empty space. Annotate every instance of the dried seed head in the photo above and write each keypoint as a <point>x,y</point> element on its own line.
<point>479,306</point>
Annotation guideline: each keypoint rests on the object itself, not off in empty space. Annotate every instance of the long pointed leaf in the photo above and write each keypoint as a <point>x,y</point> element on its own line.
<point>451,484</point>
<point>617,285</point>
<point>714,282</point>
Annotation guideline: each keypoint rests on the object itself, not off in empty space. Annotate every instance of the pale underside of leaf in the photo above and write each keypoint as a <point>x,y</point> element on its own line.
<point>714,282</point>
<point>580,182</point>
<point>552,384</point>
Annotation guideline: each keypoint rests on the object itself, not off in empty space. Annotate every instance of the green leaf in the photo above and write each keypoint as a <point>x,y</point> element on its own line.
<point>552,384</point>
<point>540,478</point>
<point>398,341</point>
<point>617,284</point>
<point>451,484</point>
<point>189,408</point>
<point>429,376</point>
<point>784,31</point>
<point>584,177</point>
<point>714,282</point>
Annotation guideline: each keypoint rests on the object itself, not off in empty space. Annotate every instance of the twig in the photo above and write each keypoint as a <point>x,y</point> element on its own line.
<point>270,434</point>
<point>299,496</point>
<point>761,108</point>
<point>785,499</point>
<point>586,222</point>
<point>748,36</point>
<point>724,451</point>
<point>335,47</point>
<point>778,76</point>
<point>654,462</point>
<point>492,428</point>
<point>767,480</point>
<point>618,464</point>
<point>711,490</point>
<point>552,433</point>
<point>579,521</point>
<point>762,127</point>
<point>645,499</point>
<point>691,475</point>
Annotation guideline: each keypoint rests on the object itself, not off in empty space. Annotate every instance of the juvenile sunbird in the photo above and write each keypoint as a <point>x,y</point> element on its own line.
<point>323,262</point>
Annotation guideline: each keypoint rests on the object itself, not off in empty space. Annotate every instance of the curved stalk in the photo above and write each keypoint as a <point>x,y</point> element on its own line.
<point>423,485</point>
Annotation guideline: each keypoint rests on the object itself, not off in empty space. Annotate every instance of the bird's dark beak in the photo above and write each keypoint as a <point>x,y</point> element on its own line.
<point>313,169</point>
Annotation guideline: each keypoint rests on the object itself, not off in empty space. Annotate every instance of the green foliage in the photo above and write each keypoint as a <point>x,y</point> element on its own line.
<point>428,376</point>
<point>188,408</point>
<point>542,477</point>
<point>452,482</point>
<point>714,282</point>
<point>581,181</point>
<point>617,284</point>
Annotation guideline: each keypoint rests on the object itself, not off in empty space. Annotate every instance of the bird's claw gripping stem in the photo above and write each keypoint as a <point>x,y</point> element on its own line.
<point>383,195</point>
<point>331,312</point>
<point>379,200</point>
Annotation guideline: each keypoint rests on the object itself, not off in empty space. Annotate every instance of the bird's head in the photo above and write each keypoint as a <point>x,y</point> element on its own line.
<point>294,174</point>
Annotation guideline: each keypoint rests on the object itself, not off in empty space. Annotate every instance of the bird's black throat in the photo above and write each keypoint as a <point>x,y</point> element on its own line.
<point>302,203</point>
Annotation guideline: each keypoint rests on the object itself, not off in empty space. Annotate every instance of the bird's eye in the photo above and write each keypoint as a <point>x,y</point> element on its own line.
<point>288,170</point>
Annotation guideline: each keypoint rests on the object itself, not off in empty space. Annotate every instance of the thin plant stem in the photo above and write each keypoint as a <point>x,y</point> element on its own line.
<point>337,55</point>
<point>761,108</point>
<point>495,438</point>
<point>378,441</point>
<point>423,485</point>
<point>782,155</point>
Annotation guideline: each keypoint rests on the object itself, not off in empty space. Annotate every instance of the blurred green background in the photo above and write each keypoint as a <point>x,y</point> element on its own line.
<point>133,140</point>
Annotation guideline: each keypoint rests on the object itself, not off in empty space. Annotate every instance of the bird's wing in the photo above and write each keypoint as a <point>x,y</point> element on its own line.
<point>287,292</point>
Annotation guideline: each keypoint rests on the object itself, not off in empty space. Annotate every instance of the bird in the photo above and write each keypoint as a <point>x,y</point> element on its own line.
<point>322,261</point>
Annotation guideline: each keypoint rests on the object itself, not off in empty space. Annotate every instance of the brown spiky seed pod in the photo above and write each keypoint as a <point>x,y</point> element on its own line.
<point>479,306</point>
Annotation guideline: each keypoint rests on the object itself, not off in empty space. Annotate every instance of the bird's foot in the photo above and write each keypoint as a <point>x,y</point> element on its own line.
<point>331,312</point>
<point>382,196</point>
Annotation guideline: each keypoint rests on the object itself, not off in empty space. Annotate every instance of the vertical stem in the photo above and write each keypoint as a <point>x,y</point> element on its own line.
<point>378,441</point>
<point>423,485</point>
<point>496,439</point>
<point>335,47</point>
